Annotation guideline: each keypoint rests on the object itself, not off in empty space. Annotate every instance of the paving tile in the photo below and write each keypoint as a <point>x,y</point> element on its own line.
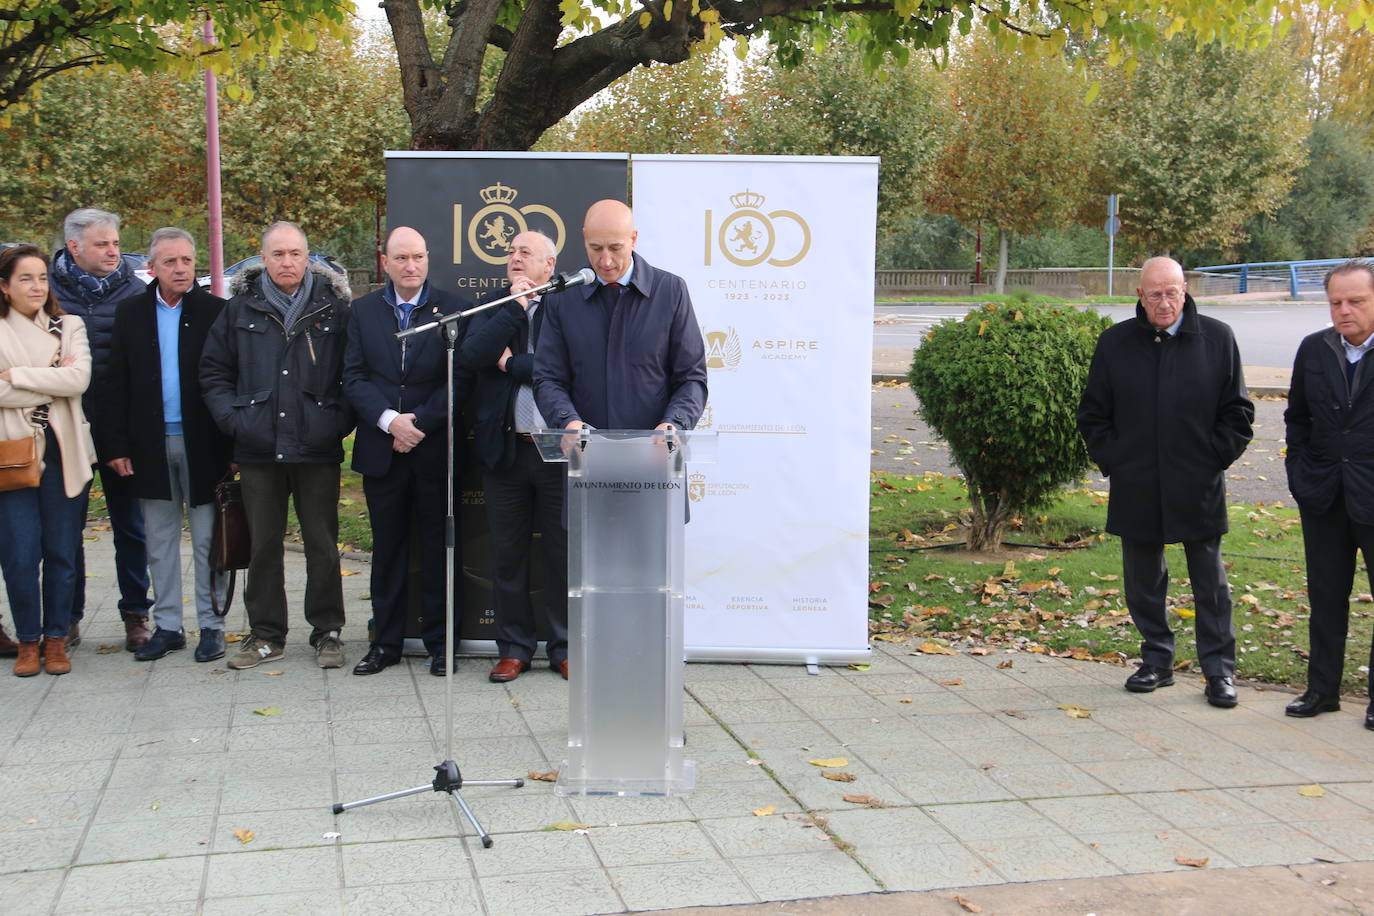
<point>384,731</point>
<point>32,891</point>
<point>827,872</point>
<point>532,853</point>
<point>780,709</point>
<point>709,883</point>
<point>158,801</point>
<point>269,737</point>
<point>1353,838</point>
<point>708,693</point>
<point>1276,844</point>
<point>656,844</point>
<point>582,891</point>
<point>1043,858</point>
<point>1149,851</point>
<point>247,793</point>
<point>411,763</point>
<point>453,898</point>
<point>869,828</point>
<point>35,847</point>
<point>157,884</point>
<point>440,859</point>
<point>1324,763</point>
<point>927,866</point>
<point>275,829</point>
<point>42,810</point>
<point>1286,804</point>
<point>974,726</point>
<point>965,784</point>
<point>158,838</point>
<point>755,836</point>
<point>1145,776</point>
<point>81,749</point>
<point>786,681</point>
<point>305,903</point>
<point>735,799</point>
<point>492,724</point>
<point>1205,808</point>
<point>993,821</point>
<point>1362,793</point>
<point>1100,814</point>
<point>599,810</point>
<point>831,706</point>
<point>1014,697</point>
<point>299,869</point>
<point>508,811</point>
<point>1044,780</point>
<point>386,821</point>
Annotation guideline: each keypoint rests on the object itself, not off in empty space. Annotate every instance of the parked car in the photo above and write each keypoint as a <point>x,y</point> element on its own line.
<point>316,257</point>
<point>139,262</point>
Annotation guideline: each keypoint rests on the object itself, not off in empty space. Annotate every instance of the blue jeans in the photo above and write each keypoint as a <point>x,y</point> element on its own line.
<point>41,527</point>
<point>131,549</point>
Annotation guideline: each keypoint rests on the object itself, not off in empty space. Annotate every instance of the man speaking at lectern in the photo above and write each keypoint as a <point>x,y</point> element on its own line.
<point>624,352</point>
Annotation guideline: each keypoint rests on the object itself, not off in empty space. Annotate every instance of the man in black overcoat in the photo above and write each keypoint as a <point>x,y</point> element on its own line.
<point>1164,414</point>
<point>399,390</point>
<point>1330,463</point>
<point>161,438</point>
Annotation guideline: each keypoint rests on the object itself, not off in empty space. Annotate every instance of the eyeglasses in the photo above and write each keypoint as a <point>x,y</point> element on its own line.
<point>1158,296</point>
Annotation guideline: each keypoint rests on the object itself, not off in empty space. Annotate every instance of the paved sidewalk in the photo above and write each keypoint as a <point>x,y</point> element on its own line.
<point>123,783</point>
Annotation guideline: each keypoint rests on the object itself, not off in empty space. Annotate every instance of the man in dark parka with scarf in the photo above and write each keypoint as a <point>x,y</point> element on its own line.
<point>1164,414</point>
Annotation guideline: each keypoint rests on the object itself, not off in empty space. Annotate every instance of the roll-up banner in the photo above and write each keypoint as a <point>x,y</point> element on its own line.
<point>778,253</point>
<point>469,206</point>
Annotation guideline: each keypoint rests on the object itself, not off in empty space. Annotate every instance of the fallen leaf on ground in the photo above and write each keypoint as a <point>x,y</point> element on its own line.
<point>906,700</point>
<point>832,762</point>
<point>551,776</point>
<point>98,527</point>
<point>839,777</point>
<point>858,799</point>
<point>765,810</point>
<point>243,836</point>
<point>30,820</point>
<point>1185,612</point>
<point>348,572</point>
<point>754,762</point>
<point>1006,664</point>
<point>981,650</point>
<point>234,637</point>
<point>220,671</point>
<point>108,650</point>
<point>933,648</point>
<point>267,711</point>
<point>1191,862</point>
<point>957,682</point>
<point>1074,711</point>
<point>968,905</point>
<point>566,825</point>
<point>1015,714</point>
<point>1312,791</point>
<point>859,667</point>
<point>276,673</point>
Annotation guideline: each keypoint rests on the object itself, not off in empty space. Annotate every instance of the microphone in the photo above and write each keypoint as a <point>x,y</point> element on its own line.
<point>566,281</point>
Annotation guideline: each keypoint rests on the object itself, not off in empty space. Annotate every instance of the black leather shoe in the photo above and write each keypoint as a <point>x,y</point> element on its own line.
<point>438,668</point>
<point>1148,678</point>
<point>1312,703</point>
<point>375,660</point>
<point>1221,690</point>
<point>159,644</point>
<point>211,645</point>
<point>1369,718</point>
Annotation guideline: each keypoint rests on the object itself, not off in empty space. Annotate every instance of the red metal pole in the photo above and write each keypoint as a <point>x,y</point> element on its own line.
<point>216,214</point>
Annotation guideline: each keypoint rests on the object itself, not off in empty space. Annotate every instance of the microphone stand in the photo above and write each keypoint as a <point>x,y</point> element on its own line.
<point>447,777</point>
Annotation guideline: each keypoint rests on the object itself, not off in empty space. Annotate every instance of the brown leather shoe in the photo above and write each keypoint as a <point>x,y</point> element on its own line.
<point>8,647</point>
<point>27,665</point>
<point>55,659</point>
<point>562,668</point>
<point>507,669</point>
<point>136,634</point>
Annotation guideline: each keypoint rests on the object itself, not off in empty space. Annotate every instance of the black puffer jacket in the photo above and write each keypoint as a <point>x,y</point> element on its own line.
<point>279,394</point>
<point>1164,417</point>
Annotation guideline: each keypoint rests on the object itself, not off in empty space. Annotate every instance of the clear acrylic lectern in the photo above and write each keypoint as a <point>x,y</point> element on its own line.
<point>627,495</point>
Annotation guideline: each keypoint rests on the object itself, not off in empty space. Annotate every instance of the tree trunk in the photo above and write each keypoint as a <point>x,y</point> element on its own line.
<point>1003,243</point>
<point>992,512</point>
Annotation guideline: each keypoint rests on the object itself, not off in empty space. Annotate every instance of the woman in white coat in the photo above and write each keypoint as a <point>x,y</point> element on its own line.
<point>45,365</point>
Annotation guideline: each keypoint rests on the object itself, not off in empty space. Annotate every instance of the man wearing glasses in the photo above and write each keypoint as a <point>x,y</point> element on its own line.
<point>1164,414</point>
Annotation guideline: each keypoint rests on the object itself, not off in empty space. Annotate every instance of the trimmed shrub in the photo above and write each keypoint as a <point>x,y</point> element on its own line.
<point>1001,387</point>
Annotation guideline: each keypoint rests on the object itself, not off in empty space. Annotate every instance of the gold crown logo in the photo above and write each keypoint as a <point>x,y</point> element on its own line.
<point>697,478</point>
<point>498,194</point>
<point>747,200</point>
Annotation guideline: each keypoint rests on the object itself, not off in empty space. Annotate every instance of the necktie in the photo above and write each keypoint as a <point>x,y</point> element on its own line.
<point>526,414</point>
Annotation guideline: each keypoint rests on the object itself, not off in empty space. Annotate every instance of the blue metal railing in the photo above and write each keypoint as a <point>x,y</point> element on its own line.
<point>1301,276</point>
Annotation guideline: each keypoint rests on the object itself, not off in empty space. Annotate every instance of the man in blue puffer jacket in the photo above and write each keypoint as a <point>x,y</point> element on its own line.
<point>90,279</point>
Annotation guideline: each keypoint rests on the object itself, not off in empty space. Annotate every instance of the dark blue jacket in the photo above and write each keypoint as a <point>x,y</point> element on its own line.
<point>1330,430</point>
<point>630,361</point>
<point>279,393</point>
<point>381,372</point>
<point>100,323</point>
<point>486,340</point>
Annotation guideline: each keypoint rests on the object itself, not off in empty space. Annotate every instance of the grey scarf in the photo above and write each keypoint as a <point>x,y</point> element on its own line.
<point>289,307</point>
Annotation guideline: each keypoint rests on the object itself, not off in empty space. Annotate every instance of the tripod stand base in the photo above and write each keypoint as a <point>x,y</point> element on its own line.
<point>449,780</point>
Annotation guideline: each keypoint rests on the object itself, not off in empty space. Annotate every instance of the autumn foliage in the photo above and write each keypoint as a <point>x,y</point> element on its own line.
<point>1001,386</point>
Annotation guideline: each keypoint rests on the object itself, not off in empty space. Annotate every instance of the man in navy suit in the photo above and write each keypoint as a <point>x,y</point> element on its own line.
<point>398,389</point>
<point>519,484</point>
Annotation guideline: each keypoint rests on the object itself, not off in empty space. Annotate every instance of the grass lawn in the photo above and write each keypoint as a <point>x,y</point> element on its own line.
<point>1010,297</point>
<point>1061,593</point>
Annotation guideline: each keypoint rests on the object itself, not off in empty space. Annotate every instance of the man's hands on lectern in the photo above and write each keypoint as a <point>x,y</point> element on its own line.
<point>405,435</point>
